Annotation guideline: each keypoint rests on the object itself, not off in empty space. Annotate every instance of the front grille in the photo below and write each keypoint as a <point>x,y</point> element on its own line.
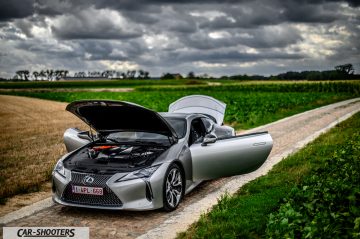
<point>109,199</point>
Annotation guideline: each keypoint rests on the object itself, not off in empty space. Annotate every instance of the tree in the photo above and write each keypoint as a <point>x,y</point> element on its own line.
<point>23,74</point>
<point>146,75</point>
<point>20,74</point>
<point>141,74</point>
<point>49,73</point>
<point>36,74</point>
<point>346,68</point>
<point>130,74</point>
<point>80,74</point>
<point>42,74</point>
<point>123,75</point>
<point>168,76</point>
<point>191,75</point>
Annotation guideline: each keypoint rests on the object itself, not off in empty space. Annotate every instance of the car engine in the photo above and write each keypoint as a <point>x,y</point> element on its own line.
<point>112,158</point>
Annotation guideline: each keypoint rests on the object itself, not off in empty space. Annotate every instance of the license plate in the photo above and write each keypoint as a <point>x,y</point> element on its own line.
<point>87,190</point>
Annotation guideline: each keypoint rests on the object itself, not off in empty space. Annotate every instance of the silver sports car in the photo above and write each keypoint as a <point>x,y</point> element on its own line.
<point>142,160</point>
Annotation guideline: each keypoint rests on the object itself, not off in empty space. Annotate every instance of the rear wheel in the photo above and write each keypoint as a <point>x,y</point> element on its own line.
<point>173,188</point>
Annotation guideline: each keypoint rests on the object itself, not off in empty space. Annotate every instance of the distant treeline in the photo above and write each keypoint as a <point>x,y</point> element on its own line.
<point>303,75</point>
<point>341,72</point>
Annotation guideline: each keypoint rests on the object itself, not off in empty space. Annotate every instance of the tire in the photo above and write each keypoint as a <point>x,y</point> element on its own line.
<point>173,190</point>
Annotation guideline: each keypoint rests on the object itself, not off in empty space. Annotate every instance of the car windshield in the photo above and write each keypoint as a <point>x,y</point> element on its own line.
<point>127,136</point>
<point>178,124</point>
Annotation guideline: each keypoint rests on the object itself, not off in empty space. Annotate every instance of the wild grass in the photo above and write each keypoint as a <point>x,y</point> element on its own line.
<point>246,214</point>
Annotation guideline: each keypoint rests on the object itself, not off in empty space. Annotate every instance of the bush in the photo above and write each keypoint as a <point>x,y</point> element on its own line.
<point>326,205</point>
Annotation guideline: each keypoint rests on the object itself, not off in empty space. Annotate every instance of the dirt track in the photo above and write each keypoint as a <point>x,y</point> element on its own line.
<point>31,142</point>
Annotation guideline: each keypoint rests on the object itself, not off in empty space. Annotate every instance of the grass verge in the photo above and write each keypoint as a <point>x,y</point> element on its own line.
<point>246,214</point>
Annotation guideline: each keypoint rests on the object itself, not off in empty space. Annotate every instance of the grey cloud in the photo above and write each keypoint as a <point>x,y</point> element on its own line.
<point>85,26</point>
<point>234,56</point>
<point>16,9</point>
<point>264,37</point>
<point>254,14</point>
<point>163,35</point>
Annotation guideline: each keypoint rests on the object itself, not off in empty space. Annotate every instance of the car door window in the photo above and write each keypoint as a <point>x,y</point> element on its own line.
<point>197,131</point>
<point>208,124</point>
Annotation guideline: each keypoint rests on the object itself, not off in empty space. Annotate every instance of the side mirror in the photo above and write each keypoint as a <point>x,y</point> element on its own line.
<point>209,139</point>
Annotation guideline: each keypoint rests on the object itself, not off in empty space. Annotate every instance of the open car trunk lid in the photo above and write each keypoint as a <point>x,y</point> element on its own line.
<point>107,116</point>
<point>200,104</point>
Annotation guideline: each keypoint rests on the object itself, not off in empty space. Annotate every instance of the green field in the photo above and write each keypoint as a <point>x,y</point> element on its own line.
<point>248,105</point>
<point>244,109</point>
<point>312,194</point>
<point>139,83</point>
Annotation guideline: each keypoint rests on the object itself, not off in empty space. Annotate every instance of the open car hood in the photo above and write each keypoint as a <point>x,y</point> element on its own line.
<point>106,116</point>
<point>200,104</point>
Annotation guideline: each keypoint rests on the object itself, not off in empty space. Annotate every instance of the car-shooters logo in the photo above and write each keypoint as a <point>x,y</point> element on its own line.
<point>46,232</point>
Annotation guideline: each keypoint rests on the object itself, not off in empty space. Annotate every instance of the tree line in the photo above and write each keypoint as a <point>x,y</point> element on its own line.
<point>340,72</point>
<point>53,75</point>
<point>130,74</point>
<point>49,75</point>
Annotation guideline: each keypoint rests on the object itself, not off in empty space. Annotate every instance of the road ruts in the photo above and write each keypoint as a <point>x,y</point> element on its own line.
<point>121,224</point>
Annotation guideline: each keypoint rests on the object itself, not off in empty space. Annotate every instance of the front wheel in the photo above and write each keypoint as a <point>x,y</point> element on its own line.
<point>173,188</point>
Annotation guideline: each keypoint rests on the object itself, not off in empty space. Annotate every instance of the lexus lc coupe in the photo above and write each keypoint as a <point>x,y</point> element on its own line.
<point>134,158</point>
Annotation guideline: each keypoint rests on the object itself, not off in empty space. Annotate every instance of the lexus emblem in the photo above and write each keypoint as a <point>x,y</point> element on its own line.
<point>88,179</point>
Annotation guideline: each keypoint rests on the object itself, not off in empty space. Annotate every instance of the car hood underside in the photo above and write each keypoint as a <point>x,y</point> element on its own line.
<point>109,116</point>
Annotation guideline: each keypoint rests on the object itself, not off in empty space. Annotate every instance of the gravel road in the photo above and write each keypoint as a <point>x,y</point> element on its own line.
<point>286,133</point>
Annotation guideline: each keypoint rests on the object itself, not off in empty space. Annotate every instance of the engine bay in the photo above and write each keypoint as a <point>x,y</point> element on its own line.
<point>112,158</point>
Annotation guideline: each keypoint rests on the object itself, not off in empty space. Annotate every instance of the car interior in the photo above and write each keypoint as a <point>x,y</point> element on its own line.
<point>197,131</point>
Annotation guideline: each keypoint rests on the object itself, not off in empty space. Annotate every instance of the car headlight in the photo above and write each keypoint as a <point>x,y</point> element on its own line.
<point>142,173</point>
<point>60,169</point>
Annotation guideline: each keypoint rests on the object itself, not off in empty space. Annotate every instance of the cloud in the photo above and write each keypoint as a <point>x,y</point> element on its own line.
<point>213,36</point>
<point>107,24</point>
<point>16,9</point>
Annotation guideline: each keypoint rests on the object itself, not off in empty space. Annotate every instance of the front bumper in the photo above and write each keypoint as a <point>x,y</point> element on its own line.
<point>136,194</point>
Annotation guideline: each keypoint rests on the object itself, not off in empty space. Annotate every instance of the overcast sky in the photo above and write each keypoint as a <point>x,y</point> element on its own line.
<point>216,37</point>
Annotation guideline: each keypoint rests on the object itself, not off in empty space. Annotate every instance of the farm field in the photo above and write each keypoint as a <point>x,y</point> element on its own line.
<point>244,109</point>
<point>101,83</point>
<point>144,83</point>
<point>31,139</point>
<point>248,105</point>
<point>311,194</point>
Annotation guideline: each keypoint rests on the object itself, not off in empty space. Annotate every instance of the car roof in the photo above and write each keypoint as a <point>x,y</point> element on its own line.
<point>175,115</point>
<point>188,116</point>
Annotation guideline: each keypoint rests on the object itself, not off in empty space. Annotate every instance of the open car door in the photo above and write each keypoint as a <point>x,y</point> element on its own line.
<point>230,156</point>
<point>201,104</point>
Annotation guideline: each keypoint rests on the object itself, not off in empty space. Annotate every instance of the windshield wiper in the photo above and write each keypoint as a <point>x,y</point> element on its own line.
<point>148,142</point>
